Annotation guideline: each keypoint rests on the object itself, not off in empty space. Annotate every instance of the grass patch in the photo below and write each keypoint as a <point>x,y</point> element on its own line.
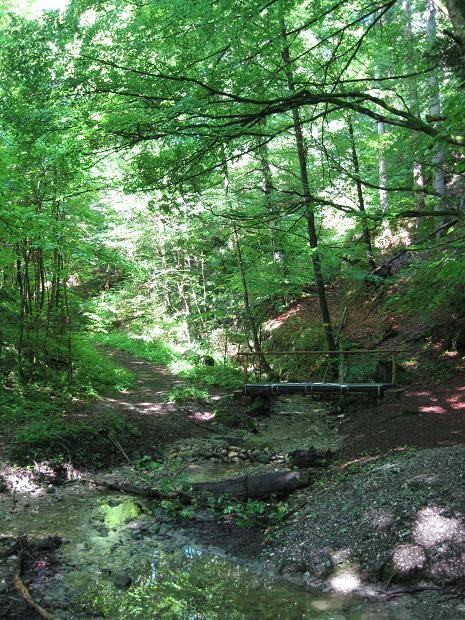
<point>154,351</point>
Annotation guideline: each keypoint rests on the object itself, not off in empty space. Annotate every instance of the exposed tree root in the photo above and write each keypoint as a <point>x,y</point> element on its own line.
<point>24,593</point>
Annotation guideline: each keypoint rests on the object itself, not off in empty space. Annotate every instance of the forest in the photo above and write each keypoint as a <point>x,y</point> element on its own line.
<point>202,194</point>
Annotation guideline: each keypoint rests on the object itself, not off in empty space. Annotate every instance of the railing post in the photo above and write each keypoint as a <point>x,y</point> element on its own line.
<point>244,369</point>
<point>394,368</point>
<point>342,367</point>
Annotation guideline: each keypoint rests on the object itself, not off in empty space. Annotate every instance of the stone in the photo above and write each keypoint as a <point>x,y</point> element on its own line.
<point>122,579</point>
<point>50,490</point>
<point>292,567</point>
<point>320,564</point>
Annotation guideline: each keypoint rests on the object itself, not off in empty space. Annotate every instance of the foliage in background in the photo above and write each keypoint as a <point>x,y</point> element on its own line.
<point>288,149</point>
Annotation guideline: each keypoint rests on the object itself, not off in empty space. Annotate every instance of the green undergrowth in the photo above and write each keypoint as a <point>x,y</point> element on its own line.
<point>59,436</point>
<point>52,420</point>
<point>183,394</point>
<point>222,375</point>
<point>94,373</point>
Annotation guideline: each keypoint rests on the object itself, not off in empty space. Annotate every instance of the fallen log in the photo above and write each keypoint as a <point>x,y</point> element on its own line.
<point>258,485</point>
<point>253,486</point>
<point>126,487</point>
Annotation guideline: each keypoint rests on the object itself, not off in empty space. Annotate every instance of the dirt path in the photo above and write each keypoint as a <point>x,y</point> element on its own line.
<point>144,406</point>
<point>424,416</point>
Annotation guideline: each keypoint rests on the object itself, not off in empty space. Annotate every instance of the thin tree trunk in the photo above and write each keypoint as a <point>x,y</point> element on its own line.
<point>439,182</point>
<point>382,170</point>
<point>276,247</point>
<point>307,198</point>
<point>361,200</point>
<point>245,288</point>
<point>245,294</point>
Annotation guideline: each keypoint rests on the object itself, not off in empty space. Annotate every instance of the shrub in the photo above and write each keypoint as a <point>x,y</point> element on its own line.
<point>183,394</point>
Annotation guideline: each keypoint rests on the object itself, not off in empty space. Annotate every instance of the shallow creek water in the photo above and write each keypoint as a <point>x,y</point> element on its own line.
<point>122,559</point>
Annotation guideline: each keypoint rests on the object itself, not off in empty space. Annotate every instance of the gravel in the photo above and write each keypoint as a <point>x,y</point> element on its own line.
<point>398,520</point>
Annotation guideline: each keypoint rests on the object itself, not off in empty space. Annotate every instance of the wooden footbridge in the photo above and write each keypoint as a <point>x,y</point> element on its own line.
<point>376,390</point>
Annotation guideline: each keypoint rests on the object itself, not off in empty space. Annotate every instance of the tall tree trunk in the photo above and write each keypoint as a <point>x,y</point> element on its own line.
<point>456,10</point>
<point>361,200</point>
<point>418,177</point>
<point>439,182</point>
<point>307,197</point>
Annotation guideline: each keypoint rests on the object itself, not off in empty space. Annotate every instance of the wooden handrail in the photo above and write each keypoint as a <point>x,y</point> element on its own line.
<point>392,352</point>
<point>339,351</point>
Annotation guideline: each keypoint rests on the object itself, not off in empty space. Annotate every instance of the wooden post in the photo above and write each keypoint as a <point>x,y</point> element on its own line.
<point>394,368</point>
<point>244,369</point>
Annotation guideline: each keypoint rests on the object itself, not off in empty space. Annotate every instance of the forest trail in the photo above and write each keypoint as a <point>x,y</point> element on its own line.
<point>145,406</point>
<point>424,416</point>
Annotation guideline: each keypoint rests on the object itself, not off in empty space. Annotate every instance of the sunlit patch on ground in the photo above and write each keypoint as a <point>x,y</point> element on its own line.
<point>346,581</point>
<point>433,409</point>
<point>202,416</point>
<point>27,480</point>
<point>431,528</point>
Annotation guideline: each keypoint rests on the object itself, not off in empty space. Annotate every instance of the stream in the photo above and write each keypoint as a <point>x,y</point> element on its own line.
<point>125,558</point>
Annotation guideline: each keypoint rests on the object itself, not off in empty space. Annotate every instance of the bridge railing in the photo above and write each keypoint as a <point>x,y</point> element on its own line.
<point>341,355</point>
